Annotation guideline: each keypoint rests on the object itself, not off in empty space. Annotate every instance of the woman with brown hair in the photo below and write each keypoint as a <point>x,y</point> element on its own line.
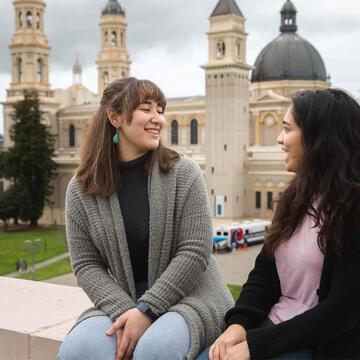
<point>301,300</point>
<point>140,234</point>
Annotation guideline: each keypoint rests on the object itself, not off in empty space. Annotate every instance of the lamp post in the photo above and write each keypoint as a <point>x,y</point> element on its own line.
<point>33,247</point>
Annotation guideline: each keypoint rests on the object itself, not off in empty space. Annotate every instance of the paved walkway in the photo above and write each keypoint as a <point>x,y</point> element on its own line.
<point>235,266</point>
<point>42,264</point>
<point>68,279</point>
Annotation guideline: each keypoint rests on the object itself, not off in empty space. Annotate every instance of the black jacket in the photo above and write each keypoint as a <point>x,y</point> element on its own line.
<point>332,328</point>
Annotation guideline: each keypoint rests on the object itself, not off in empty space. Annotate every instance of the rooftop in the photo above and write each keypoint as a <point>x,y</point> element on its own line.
<point>226,7</point>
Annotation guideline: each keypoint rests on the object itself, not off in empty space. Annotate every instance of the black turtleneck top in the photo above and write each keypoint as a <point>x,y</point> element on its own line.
<point>134,204</point>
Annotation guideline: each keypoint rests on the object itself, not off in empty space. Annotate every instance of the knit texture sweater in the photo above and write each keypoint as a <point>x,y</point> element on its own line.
<point>182,274</point>
<point>331,328</point>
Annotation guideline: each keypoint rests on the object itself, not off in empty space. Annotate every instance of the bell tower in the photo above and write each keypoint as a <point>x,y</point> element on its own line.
<point>113,60</point>
<point>227,110</point>
<point>29,49</point>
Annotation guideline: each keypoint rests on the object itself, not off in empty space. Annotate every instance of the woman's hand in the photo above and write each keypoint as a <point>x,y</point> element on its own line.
<point>238,352</point>
<point>129,327</point>
<point>233,335</point>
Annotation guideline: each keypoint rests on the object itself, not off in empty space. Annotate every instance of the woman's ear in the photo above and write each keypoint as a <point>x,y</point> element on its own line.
<point>114,118</point>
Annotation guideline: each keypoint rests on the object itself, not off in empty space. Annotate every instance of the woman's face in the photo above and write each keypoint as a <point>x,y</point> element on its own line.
<point>143,132</point>
<point>290,141</point>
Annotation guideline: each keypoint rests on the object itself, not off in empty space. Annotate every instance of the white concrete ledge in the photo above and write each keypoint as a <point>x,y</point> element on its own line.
<point>35,317</point>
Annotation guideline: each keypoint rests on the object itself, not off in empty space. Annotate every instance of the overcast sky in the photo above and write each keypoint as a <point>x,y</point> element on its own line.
<point>167,39</point>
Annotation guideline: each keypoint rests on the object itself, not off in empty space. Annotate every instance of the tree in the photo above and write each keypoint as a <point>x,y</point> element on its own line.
<point>7,207</point>
<point>28,163</point>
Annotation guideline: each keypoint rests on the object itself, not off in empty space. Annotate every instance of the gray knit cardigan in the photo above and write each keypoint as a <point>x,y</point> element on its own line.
<point>182,277</point>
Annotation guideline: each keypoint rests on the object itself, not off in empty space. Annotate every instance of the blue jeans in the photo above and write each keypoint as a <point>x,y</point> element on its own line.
<point>305,354</point>
<point>167,338</point>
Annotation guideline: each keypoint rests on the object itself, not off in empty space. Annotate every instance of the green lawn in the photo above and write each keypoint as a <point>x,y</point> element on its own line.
<point>12,246</point>
<point>235,291</point>
<point>59,268</point>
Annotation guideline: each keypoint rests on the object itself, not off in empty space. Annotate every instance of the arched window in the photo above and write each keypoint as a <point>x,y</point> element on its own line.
<point>106,37</point>
<point>37,21</point>
<point>113,39</point>
<point>258,200</point>
<point>106,78</point>
<point>39,71</point>
<point>237,49</point>
<point>174,132</point>
<point>71,135</point>
<point>122,39</point>
<point>220,49</point>
<point>29,19</point>
<point>194,132</point>
<point>19,70</point>
<point>20,20</point>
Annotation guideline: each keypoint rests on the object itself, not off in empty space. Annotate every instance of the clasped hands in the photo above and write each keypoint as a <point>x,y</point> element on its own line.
<point>129,328</point>
<point>230,345</point>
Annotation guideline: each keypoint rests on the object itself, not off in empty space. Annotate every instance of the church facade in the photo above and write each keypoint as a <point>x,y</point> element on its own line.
<point>230,132</point>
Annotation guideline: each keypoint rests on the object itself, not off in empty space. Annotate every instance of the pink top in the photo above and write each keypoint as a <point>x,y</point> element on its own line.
<point>299,262</point>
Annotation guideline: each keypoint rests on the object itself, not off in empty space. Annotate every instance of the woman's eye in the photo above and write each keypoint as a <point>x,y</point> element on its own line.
<point>160,111</point>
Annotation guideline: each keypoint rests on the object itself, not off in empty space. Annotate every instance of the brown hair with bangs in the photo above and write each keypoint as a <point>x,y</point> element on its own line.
<point>98,169</point>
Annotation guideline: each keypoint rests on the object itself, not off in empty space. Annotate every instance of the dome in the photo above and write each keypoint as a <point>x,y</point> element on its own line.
<point>289,56</point>
<point>288,7</point>
<point>113,7</point>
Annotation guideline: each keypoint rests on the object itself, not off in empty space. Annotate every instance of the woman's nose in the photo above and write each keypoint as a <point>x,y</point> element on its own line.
<point>280,138</point>
<point>156,116</point>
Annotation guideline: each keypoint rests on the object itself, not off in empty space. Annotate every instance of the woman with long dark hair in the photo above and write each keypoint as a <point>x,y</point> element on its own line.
<point>301,300</point>
<point>140,235</point>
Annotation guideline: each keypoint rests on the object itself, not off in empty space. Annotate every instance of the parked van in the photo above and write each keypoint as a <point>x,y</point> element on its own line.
<point>246,233</point>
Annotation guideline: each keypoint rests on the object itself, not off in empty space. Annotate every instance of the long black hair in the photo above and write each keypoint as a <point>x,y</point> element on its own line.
<point>327,185</point>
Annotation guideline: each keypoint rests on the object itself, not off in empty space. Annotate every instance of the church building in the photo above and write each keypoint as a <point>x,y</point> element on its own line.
<point>230,132</point>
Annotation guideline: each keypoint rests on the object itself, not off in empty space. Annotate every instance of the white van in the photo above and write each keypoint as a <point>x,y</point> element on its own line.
<point>248,232</point>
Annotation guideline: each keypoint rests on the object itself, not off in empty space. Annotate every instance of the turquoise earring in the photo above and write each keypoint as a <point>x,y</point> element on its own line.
<point>116,138</point>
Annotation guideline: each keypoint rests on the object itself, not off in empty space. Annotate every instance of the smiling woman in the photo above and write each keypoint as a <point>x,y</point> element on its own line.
<point>301,300</point>
<point>140,237</point>
<point>131,112</point>
<point>142,133</point>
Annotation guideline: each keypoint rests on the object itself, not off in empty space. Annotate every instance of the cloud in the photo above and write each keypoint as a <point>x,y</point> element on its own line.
<point>167,38</point>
